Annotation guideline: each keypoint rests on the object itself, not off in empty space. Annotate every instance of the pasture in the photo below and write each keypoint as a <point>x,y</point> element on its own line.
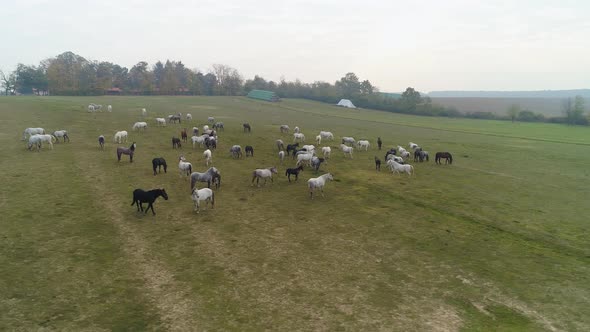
<point>497,241</point>
<point>549,107</point>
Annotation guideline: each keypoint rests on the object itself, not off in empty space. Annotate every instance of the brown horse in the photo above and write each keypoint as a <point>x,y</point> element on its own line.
<point>446,155</point>
<point>183,135</point>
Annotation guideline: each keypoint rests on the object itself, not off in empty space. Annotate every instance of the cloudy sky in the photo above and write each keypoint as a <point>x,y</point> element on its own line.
<point>430,45</point>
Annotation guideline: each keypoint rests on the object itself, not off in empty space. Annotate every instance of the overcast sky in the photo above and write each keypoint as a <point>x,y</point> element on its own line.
<point>429,45</point>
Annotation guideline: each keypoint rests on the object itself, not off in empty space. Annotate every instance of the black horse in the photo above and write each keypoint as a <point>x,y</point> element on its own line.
<point>391,151</point>
<point>101,142</point>
<point>141,196</point>
<point>379,142</point>
<point>247,127</point>
<point>249,149</point>
<point>293,171</point>
<point>377,164</point>
<point>158,163</point>
<point>292,147</point>
<point>446,155</point>
<point>176,143</point>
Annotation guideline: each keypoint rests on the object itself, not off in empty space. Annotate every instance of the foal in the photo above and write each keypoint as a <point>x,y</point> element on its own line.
<point>293,171</point>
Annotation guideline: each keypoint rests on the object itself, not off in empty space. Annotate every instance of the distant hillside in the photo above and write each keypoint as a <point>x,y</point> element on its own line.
<point>547,106</point>
<point>511,94</point>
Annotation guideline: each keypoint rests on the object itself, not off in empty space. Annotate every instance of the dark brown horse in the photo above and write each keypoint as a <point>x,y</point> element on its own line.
<point>130,151</point>
<point>183,135</point>
<point>247,127</point>
<point>443,155</point>
<point>176,143</point>
<point>377,164</point>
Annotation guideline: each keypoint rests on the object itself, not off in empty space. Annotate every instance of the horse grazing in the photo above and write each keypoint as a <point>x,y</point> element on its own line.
<point>348,140</point>
<point>284,129</point>
<point>264,173</point>
<point>413,146</point>
<point>120,137</point>
<point>249,150</point>
<point>204,194</point>
<point>397,159</point>
<point>195,131</point>
<point>141,196</point>
<point>209,177</point>
<point>218,126</point>
<point>296,130</point>
<point>34,141</point>
<point>109,108</point>
<point>318,183</point>
<point>175,118</point>
<point>45,139</point>
<point>161,122</point>
<point>130,151</point>
<point>399,168</point>
<point>61,133</point>
<point>236,151</point>
<point>247,127</point>
<point>157,163</point>
<point>420,155</point>
<point>184,166</point>
<point>377,164</point>
<point>140,125</point>
<point>183,135</point>
<point>327,135</point>
<point>207,156</point>
<point>211,142</point>
<point>32,131</point>
<point>189,117</point>
<point>446,155</point>
<point>211,119</point>
<point>305,156</point>
<point>101,142</point>
<point>280,144</point>
<point>318,139</point>
<point>293,171</point>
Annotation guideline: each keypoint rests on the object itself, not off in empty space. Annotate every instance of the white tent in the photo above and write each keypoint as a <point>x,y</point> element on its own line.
<point>346,103</point>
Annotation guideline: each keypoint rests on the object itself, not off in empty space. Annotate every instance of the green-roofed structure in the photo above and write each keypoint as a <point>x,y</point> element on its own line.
<point>263,95</point>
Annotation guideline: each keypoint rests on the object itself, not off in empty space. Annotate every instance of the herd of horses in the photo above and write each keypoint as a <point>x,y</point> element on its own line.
<point>396,158</point>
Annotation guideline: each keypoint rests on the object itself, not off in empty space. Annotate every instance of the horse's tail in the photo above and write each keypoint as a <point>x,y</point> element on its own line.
<point>190,168</point>
<point>413,171</point>
<point>450,158</point>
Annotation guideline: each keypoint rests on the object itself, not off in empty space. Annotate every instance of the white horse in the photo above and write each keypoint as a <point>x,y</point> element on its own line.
<point>161,122</point>
<point>199,139</point>
<point>143,112</point>
<point>284,129</point>
<point>327,135</point>
<point>318,139</point>
<point>109,108</point>
<point>184,166</point>
<point>43,139</point>
<point>140,125</point>
<point>298,136</point>
<point>405,155</point>
<point>413,146</point>
<point>91,108</point>
<point>189,116</point>
<point>395,158</point>
<point>281,156</point>
<point>263,173</point>
<point>211,119</point>
<point>399,168</point>
<point>348,140</point>
<point>326,151</point>
<point>120,137</point>
<point>347,150</point>
<point>34,141</point>
<point>61,133</point>
<point>304,157</point>
<point>318,183</point>
<point>205,127</point>
<point>32,131</point>
<point>400,149</point>
<point>309,148</point>
<point>296,130</point>
<point>363,143</point>
<point>207,156</point>
<point>204,194</point>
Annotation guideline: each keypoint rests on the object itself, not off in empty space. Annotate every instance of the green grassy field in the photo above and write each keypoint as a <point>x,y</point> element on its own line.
<point>497,241</point>
<point>549,107</point>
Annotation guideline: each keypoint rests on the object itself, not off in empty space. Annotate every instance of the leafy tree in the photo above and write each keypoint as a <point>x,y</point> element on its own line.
<point>574,110</point>
<point>8,82</point>
<point>410,99</point>
<point>349,86</point>
<point>513,111</point>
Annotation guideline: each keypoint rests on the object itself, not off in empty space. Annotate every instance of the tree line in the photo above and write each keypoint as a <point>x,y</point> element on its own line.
<point>72,74</point>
